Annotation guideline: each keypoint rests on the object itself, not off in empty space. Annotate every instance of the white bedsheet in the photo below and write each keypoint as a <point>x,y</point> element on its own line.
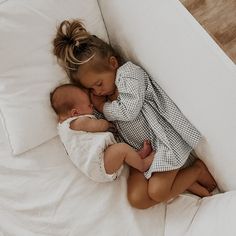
<point>42,193</point>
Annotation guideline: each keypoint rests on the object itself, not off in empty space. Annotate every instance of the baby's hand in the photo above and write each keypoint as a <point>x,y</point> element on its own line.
<point>98,102</point>
<point>112,128</point>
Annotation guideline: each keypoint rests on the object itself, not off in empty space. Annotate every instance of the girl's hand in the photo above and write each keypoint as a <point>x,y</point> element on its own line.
<point>98,102</point>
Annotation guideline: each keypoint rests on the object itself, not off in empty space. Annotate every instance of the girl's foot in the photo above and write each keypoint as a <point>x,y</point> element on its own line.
<point>205,178</point>
<point>146,149</point>
<point>199,190</point>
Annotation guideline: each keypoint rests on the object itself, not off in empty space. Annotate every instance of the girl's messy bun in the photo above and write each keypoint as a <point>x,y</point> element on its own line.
<point>72,38</point>
<point>74,46</point>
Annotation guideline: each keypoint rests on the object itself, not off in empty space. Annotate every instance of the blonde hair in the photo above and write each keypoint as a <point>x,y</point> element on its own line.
<point>75,46</point>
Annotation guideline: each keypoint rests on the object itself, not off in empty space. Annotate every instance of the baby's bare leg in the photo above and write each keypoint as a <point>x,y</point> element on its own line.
<point>146,149</point>
<point>116,154</point>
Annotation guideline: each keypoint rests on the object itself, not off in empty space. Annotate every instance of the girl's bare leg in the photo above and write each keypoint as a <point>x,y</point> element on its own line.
<point>166,185</point>
<point>138,190</point>
<point>206,179</point>
<point>143,193</point>
<point>199,190</point>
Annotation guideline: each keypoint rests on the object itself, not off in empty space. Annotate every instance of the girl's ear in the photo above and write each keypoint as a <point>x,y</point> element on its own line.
<point>113,62</point>
<point>74,112</point>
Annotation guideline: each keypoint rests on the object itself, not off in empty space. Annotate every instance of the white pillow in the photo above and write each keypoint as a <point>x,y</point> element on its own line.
<point>28,70</point>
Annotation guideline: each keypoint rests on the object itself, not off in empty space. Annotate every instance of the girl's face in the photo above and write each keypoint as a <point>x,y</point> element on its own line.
<point>100,83</point>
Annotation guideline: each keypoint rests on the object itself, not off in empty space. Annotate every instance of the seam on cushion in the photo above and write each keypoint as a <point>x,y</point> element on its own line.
<point>99,6</point>
<point>164,230</point>
<point>5,130</point>
<point>199,203</point>
<point>3,1</point>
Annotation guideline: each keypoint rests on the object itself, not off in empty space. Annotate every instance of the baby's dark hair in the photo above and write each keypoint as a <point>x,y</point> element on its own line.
<point>74,46</point>
<point>61,105</point>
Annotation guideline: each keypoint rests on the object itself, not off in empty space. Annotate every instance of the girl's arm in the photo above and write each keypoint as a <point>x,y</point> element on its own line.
<point>90,125</point>
<point>130,100</point>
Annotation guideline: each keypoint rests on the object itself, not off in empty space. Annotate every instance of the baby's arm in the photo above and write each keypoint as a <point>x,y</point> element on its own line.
<point>90,125</point>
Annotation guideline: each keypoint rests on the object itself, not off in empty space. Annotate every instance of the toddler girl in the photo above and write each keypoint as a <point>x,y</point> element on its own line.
<point>141,110</point>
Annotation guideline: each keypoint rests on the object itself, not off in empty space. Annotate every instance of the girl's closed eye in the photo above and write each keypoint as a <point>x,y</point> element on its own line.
<point>99,84</point>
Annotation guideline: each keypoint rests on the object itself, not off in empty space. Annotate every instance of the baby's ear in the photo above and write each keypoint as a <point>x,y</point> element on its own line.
<point>113,62</point>
<point>74,112</point>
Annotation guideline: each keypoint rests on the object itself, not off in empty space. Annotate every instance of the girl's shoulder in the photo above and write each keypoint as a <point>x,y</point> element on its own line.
<point>127,66</point>
<point>130,70</point>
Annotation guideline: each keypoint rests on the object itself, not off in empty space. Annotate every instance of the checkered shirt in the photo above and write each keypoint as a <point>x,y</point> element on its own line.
<point>144,111</point>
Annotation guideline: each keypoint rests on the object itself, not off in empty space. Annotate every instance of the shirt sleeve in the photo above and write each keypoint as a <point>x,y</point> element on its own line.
<point>130,99</point>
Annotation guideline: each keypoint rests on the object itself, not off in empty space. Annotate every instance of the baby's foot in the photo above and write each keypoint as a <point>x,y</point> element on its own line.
<point>145,150</point>
<point>205,178</point>
<point>199,190</point>
<point>147,162</point>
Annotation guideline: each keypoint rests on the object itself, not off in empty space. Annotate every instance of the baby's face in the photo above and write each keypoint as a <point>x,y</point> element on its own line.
<point>78,99</point>
<point>83,103</point>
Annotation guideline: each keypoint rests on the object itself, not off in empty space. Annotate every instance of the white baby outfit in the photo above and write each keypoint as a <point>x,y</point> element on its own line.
<point>86,150</point>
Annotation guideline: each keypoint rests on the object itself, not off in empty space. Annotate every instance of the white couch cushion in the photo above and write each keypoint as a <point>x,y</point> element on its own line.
<point>215,216</point>
<point>188,215</point>
<point>166,40</point>
<point>29,71</point>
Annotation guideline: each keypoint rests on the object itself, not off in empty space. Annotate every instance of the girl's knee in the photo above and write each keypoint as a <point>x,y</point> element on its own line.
<point>136,200</point>
<point>158,193</point>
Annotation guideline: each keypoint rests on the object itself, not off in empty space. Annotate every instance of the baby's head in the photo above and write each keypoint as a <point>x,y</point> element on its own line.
<point>69,100</point>
<point>88,60</point>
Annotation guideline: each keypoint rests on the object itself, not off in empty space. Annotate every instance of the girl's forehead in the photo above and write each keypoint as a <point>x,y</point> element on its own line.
<point>88,79</point>
<point>87,82</point>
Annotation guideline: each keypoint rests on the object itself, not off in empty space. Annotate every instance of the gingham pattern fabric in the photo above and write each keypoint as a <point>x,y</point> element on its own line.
<point>144,111</point>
